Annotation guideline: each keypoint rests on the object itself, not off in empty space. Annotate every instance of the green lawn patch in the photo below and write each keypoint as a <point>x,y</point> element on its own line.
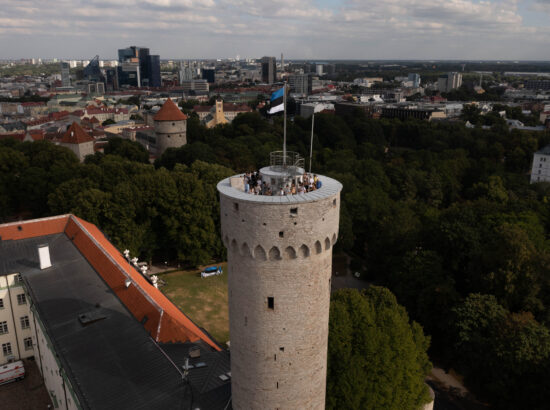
<point>204,300</point>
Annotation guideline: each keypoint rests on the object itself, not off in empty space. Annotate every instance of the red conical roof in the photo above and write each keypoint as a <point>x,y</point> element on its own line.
<point>76,135</point>
<point>169,112</point>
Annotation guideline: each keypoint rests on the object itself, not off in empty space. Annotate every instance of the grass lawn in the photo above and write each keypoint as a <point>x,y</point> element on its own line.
<point>204,300</point>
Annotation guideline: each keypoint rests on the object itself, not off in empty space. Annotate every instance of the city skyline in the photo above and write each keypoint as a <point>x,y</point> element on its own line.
<point>310,29</point>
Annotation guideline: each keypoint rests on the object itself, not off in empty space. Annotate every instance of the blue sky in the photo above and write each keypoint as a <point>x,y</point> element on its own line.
<point>316,29</point>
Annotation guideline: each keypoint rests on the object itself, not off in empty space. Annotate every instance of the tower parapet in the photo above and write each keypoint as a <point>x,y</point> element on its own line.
<point>279,267</point>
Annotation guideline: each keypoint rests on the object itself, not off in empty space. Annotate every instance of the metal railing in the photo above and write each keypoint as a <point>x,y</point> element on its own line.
<point>288,163</point>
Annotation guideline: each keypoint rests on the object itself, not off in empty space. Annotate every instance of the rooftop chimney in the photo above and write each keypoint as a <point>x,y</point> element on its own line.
<point>44,256</point>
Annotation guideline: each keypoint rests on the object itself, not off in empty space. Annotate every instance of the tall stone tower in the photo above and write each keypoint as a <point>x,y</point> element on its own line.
<point>170,127</point>
<point>279,262</point>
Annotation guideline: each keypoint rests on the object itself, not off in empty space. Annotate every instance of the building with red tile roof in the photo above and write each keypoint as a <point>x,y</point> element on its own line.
<point>220,113</point>
<point>170,127</point>
<point>103,113</point>
<point>102,334</point>
<point>170,112</point>
<point>78,141</point>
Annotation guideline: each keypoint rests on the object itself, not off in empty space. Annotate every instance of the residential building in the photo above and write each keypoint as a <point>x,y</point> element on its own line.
<point>540,171</point>
<point>102,335</point>
<point>414,78</point>
<point>300,84</point>
<point>269,70</point>
<point>449,81</point>
<point>78,141</point>
<point>195,86</point>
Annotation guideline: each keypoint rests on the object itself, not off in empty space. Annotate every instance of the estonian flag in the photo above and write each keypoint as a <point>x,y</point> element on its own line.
<point>277,103</point>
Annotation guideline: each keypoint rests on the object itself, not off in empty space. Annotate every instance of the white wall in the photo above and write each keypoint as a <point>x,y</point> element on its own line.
<point>12,313</point>
<point>55,380</point>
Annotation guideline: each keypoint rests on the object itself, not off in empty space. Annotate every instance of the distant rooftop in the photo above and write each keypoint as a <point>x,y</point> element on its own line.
<point>169,112</point>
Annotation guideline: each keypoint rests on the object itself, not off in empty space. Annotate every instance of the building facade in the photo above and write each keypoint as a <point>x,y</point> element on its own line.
<point>101,334</point>
<point>414,78</point>
<point>65,74</point>
<point>78,141</point>
<point>300,84</point>
<point>269,70</point>
<point>138,68</point>
<point>540,171</point>
<point>279,252</point>
<point>449,81</point>
<point>15,319</point>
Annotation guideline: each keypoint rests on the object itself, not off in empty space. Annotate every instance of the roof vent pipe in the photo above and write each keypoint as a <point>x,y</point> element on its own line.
<point>44,256</point>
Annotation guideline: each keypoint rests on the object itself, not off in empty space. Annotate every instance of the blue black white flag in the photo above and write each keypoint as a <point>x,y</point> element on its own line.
<point>277,101</point>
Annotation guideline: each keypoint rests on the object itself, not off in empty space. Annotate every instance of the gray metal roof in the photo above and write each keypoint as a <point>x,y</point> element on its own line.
<point>329,188</point>
<point>112,363</point>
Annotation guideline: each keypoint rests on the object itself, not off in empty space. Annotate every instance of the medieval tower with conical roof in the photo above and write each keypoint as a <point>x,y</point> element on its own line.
<point>170,127</point>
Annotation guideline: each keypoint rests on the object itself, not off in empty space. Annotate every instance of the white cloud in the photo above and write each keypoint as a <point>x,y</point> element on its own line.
<point>299,28</point>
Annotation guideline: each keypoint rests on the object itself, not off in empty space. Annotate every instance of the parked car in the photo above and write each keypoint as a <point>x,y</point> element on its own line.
<point>11,372</point>
<point>211,271</point>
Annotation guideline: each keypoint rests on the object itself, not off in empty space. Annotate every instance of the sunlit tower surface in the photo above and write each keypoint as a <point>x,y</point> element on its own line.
<point>279,260</point>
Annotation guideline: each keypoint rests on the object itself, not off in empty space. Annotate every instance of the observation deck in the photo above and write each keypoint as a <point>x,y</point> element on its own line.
<point>281,172</point>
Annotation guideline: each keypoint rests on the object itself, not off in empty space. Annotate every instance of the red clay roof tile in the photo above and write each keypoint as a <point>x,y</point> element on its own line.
<point>160,317</point>
<point>169,112</point>
<point>75,135</point>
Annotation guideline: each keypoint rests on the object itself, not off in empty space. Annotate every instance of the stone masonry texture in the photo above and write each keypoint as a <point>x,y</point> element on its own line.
<point>279,345</point>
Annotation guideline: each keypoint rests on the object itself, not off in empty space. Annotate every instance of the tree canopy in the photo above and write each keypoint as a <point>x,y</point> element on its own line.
<point>376,358</point>
<point>435,211</point>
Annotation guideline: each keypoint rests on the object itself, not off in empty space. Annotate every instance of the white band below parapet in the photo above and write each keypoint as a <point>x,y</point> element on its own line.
<point>330,187</point>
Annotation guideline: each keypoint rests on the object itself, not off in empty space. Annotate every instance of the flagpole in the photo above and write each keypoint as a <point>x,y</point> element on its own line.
<point>311,145</point>
<point>284,131</point>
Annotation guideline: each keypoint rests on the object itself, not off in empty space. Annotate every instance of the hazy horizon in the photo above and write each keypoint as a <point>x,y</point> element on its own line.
<point>364,30</point>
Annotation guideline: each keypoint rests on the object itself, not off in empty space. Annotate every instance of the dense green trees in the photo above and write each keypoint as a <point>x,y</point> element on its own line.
<point>506,353</point>
<point>376,358</point>
<point>434,211</point>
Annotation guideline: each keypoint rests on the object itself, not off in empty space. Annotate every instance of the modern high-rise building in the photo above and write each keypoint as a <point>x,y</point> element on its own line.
<point>153,71</point>
<point>187,72</point>
<point>269,69</point>
<point>300,83</point>
<point>279,251</point>
<point>209,74</point>
<point>92,71</point>
<point>449,81</point>
<point>65,74</point>
<point>415,79</point>
<point>319,69</point>
<point>138,68</point>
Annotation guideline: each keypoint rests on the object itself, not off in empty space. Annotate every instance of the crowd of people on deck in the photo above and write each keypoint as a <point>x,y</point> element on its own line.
<point>255,185</point>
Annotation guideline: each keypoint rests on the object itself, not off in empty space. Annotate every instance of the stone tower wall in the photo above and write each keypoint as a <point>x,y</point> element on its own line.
<point>280,251</point>
<point>170,134</point>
